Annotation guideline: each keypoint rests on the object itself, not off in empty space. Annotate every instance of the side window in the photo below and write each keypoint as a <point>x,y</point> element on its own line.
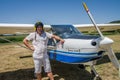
<point>51,42</point>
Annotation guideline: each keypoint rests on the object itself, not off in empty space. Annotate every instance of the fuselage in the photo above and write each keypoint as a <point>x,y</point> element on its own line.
<point>77,48</point>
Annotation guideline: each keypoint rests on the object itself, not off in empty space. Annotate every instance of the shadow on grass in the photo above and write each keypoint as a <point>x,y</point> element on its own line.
<point>69,71</point>
<point>21,74</point>
<point>63,72</point>
<point>105,58</point>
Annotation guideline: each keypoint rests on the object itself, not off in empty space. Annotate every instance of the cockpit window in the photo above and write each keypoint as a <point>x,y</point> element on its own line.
<point>64,31</point>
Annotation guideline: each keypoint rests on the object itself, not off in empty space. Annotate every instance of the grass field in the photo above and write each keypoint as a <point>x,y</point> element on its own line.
<point>13,30</point>
<point>16,64</point>
<point>12,67</point>
<point>92,29</point>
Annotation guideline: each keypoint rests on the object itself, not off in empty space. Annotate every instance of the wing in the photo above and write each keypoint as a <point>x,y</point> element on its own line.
<point>99,25</point>
<point>6,28</point>
<point>103,27</point>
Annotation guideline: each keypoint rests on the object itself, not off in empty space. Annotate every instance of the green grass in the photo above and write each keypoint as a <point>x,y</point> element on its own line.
<point>11,38</point>
<point>16,64</point>
<point>112,32</point>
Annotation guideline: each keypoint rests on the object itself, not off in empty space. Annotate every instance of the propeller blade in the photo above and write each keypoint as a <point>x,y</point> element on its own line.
<point>112,57</point>
<point>104,43</point>
<point>92,19</point>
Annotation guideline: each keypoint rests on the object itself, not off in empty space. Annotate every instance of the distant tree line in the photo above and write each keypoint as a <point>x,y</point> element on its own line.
<point>117,21</point>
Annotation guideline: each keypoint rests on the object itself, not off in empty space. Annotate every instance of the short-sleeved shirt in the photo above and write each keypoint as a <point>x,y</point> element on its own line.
<point>39,43</point>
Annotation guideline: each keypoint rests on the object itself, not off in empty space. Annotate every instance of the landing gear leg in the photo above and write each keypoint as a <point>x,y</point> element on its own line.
<point>94,73</point>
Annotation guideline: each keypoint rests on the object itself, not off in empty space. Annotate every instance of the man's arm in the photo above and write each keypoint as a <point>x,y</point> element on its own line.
<point>58,38</point>
<point>26,42</point>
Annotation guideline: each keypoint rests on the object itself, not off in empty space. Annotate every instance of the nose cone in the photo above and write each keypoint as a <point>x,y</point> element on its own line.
<point>106,41</point>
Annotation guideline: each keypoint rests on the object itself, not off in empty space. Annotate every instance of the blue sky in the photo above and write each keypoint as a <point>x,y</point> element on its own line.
<point>58,11</point>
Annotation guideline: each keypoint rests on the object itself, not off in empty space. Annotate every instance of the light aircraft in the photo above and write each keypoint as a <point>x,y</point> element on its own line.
<point>77,48</point>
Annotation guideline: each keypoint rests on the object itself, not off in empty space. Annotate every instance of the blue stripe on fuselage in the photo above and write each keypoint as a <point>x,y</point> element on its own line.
<point>73,57</point>
<point>76,54</point>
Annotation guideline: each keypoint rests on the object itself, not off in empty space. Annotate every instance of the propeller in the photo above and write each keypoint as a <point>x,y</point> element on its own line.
<point>105,42</point>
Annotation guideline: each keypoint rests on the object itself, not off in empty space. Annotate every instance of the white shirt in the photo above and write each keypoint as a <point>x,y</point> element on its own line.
<point>40,43</point>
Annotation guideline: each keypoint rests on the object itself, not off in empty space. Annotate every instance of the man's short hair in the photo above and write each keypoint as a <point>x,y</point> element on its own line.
<point>37,24</point>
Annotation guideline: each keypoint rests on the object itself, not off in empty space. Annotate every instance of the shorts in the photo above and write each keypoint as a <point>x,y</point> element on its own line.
<point>42,62</point>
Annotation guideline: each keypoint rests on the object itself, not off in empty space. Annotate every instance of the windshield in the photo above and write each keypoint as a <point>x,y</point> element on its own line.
<point>64,31</point>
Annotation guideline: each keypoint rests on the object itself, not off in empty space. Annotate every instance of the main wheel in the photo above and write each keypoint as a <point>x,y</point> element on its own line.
<point>81,66</point>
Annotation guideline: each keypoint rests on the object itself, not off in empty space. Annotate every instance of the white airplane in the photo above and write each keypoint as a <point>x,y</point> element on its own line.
<point>78,48</point>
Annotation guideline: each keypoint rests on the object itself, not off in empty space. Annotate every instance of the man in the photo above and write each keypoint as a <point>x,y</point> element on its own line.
<point>39,40</point>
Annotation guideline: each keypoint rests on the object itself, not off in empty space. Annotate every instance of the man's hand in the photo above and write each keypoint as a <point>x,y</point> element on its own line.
<point>32,48</point>
<point>58,38</point>
<point>25,41</point>
<point>62,41</point>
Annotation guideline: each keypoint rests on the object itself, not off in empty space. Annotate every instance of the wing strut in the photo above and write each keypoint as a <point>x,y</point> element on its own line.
<point>14,43</point>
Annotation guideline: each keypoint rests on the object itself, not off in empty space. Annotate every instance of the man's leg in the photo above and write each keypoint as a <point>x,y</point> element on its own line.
<point>50,75</point>
<point>38,63</point>
<point>38,76</point>
<point>47,68</point>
